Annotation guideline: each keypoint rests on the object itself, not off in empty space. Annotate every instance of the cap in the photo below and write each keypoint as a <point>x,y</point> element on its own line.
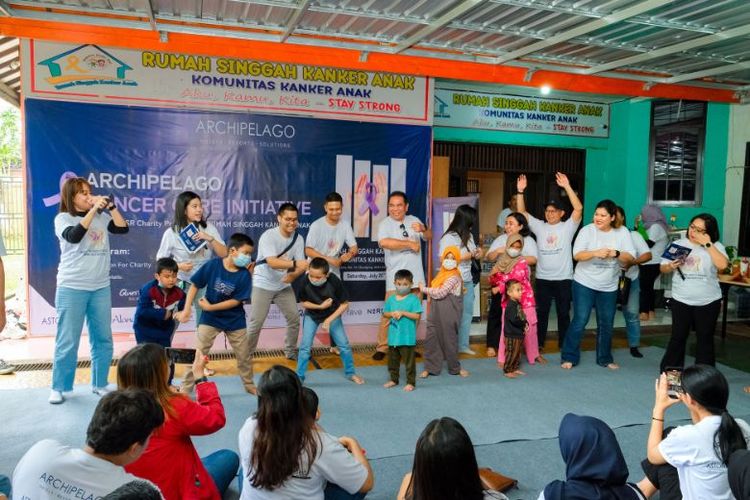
<point>555,203</point>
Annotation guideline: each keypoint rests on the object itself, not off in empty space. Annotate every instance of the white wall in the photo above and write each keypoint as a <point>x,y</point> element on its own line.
<point>739,136</point>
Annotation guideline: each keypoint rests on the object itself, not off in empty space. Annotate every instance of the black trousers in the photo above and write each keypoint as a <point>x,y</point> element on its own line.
<point>561,292</point>
<point>647,278</point>
<point>703,318</point>
<point>495,321</point>
<point>663,476</point>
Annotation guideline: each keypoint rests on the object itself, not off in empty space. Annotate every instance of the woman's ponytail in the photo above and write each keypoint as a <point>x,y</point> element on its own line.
<point>728,438</point>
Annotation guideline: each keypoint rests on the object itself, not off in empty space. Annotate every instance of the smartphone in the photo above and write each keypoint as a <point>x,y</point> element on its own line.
<point>181,356</point>
<point>110,199</point>
<point>674,381</point>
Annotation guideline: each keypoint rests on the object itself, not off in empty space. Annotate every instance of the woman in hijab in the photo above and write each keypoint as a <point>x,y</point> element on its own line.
<point>657,238</point>
<point>739,474</point>
<point>594,466</point>
<point>512,265</point>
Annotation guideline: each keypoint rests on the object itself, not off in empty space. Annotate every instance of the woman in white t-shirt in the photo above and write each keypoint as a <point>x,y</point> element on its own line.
<point>189,210</point>
<point>83,284</point>
<point>600,250</point>
<point>700,452</point>
<point>460,234</point>
<point>657,233</point>
<point>696,294</point>
<point>284,454</point>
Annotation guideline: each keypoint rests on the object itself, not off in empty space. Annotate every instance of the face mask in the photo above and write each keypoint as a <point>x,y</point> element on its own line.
<point>449,264</point>
<point>319,282</point>
<point>242,260</point>
<point>513,252</point>
<point>403,290</point>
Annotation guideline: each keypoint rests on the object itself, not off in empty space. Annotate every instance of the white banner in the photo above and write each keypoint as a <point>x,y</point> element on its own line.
<point>163,79</point>
<point>471,109</point>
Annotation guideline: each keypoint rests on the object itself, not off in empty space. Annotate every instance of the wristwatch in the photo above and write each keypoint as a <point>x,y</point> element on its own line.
<point>201,380</point>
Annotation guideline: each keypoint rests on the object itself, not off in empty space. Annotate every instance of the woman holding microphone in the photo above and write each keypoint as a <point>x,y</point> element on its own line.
<point>83,284</point>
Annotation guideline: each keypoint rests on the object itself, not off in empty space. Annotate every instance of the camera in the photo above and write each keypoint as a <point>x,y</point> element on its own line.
<point>181,356</point>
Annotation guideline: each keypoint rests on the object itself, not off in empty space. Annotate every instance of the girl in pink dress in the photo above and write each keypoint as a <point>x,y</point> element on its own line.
<point>511,266</point>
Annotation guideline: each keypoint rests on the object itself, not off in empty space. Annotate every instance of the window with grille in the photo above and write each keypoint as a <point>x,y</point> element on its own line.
<point>678,130</point>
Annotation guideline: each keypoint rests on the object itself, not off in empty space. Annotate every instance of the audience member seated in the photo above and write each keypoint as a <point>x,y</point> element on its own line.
<point>171,461</point>
<point>739,474</point>
<point>135,490</point>
<point>445,467</point>
<point>595,468</point>
<point>699,452</point>
<point>117,435</point>
<point>284,455</point>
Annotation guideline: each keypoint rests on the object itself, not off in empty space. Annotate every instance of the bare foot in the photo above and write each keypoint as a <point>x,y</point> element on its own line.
<point>491,353</point>
<point>643,317</point>
<point>335,350</point>
<point>541,360</point>
<point>408,387</point>
<point>252,390</point>
<point>567,365</point>
<point>357,379</point>
<point>208,372</point>
<point>613,366</point>
<point>652,315</point>
<point>390,384</point>
<point>464,373</point>
<point>519,372</point>
<point>747,389</point>
<point>511,375</point>
<point>424,374</point>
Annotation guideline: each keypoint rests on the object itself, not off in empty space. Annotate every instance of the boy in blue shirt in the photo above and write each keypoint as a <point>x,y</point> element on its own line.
<point>403,310</point>
<point>158,301</point>
<point>228,286</point>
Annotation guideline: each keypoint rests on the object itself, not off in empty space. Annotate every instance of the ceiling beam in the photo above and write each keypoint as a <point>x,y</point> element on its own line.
<point>5,9</point>
<point>718,70</point>
<point>9,95</point>
<point>438,23</point>
<point>294,19</point>
<point>151,15</point>
<point>672,49</point>
<point>588,27</point>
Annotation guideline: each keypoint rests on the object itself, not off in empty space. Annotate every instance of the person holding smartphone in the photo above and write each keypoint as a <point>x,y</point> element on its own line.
<point>83,284</point>
<point>696,295</point>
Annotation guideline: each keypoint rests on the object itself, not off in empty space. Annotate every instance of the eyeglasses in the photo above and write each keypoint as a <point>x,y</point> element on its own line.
<point>404,233</point>
<point>697,229</point>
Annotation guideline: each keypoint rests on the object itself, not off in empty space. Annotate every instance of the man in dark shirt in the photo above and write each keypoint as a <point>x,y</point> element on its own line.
<point>324,298</point>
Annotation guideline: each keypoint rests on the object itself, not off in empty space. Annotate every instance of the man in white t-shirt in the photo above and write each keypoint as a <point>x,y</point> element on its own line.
<point>5,368</point>
<point>400,236</point>
<point>117,435</point>
<point>327,236</point>
<point>281,260</point>
<point>554,269</point>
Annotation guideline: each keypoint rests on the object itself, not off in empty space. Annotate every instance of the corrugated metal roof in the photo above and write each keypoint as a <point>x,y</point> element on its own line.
<point>704,42</point>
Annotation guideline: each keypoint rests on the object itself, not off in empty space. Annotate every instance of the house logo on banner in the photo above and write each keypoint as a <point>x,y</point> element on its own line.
<point>365,186</point>
<point>86,65</point>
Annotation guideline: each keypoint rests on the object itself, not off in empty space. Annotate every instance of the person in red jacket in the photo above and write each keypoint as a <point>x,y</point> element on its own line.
<point>170,460</point>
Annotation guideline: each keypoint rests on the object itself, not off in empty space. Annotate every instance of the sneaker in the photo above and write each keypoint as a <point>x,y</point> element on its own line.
<point>102,391</point>
<point>467,351</point>
<point>378,356</point>
<point>635,352</point>
<point>6,368</point>
<point>55,397</point>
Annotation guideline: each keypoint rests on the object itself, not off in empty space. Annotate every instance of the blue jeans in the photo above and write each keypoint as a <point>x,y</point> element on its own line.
<point>222,466</point>
<point>605,304</point>
<point>73,306</point>
<point>630,313</point>
<point>464,327</point>
<point>309,327</point>
<point>5,485</point>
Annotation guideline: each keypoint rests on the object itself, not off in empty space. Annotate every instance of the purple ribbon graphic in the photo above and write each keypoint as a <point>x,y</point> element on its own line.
<point>55,198</point>
<point>371,192</point>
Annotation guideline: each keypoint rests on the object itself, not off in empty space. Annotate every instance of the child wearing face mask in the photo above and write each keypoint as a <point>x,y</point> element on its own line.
<point>441,342</point>
<point>324,298</point>
<point>403,310</point>
<point>227,284</point>
<point>511,266</point>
